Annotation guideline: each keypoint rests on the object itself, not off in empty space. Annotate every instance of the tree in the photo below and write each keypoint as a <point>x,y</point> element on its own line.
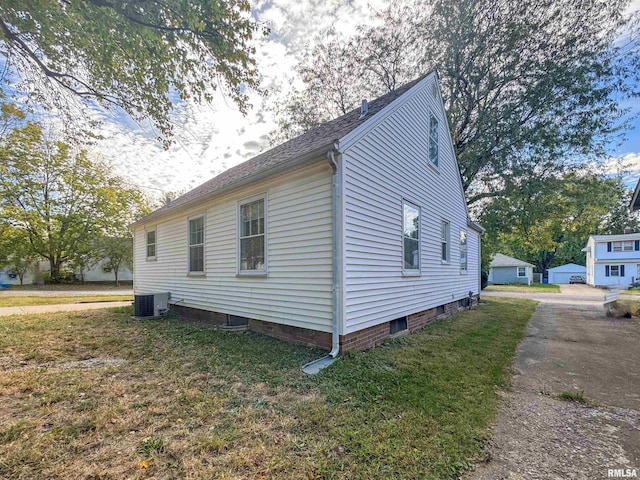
<point>59,197</point>
<point>531,88</point>
<point>117,252</point>
<point>137,55</point>
<point>16,254</point>
<point>548,222</point>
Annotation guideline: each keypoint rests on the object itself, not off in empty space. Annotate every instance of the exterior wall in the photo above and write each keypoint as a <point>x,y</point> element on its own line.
<point>563,277</point>
<point>360,340</point>
<point>598,258</point>
<point>297,289</point>
<point>97,274</point>
<point>379,171</point>
<point>505,275</point>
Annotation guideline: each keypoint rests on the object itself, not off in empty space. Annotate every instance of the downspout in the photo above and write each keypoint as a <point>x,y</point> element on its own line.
<point>314,367</point>
<point>337,257</point>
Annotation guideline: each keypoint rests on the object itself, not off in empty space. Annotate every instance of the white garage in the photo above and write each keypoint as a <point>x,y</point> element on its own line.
<point>562,273</point>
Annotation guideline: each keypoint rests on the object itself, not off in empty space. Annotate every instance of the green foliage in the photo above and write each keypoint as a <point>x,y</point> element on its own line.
<point>16,254</point>
<point>547,222</point>
<point>117,252</point>
<point>60,200</point>
<point>137,55</point>
<point>530,88</point>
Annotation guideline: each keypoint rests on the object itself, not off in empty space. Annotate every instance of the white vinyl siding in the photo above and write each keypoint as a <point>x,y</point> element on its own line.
<point>298,288</point>
<point>380,169</point>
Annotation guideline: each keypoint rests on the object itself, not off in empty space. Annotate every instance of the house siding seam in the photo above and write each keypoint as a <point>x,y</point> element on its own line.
<point>381,169</point>
<point>297,290</point>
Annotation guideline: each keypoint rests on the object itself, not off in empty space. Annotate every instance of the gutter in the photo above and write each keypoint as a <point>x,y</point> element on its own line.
<point>315,366</point>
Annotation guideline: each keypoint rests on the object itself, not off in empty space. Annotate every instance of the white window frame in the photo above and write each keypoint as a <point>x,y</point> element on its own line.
<point>155,243</point>
<point>445,241</point>
<point>262,272</point>
<point>524,272</point>
<point>617,267</point>
<point>616,246</point>
<point>464,265</point>
<point>627,246</point>
<point>412,271</point>
<point>203,244</point>
<point>434,140</point>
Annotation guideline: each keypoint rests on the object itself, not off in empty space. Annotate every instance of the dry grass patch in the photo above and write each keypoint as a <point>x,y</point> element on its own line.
<point>192,402</point>
<point>23,301</point>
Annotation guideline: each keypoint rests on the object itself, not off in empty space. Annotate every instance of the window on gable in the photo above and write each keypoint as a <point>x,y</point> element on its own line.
<point>463,250</point>
<point>252,236</point>
<point>433,141</point>
<point>444,241</point>
<point>151,244</point>
<point>196,244</point>
<point>522,271</point>
<point>411,236</point>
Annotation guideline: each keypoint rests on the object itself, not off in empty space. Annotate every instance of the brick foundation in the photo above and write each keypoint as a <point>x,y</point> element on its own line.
<point>360,340</point>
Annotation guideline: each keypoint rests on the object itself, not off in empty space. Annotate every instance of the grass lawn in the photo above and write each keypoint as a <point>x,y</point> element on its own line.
<point>536,287</point>
<point>633,291</point>
<point>8,300</point>
<point>97,395</point>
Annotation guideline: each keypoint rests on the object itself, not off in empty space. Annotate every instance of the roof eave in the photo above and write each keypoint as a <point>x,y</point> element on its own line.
<point>634,204</point>
<point>300,161</point>
<point>475,226</point>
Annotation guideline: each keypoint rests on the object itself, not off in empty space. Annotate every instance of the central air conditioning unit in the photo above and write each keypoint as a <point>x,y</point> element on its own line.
<point>152,305</point>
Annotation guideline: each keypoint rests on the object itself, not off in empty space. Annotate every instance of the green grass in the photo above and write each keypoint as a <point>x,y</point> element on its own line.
<point>199,403</point>
<point>8,300</point>
<point>535,287</point>
<point>631,291</point>
<point>577,397</point>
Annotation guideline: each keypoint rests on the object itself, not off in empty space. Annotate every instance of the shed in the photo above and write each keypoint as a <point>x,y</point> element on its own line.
<point>562,273</point>
<point>504,269</point>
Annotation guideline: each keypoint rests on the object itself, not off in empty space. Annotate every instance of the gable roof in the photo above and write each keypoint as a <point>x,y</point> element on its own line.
<point>634,204</point>
<point>500,260</point>
<point>298,151</point>
<point>617,237</point>
<point>568,268</point>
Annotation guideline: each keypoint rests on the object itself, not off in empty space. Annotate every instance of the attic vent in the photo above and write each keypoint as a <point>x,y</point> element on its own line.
<point>364,109</point>
<point>434,89</point>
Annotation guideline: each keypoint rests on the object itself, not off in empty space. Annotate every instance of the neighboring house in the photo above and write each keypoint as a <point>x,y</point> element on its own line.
<point>613,259</point>
<point>504,270</point>
<point>343,236</point>
<point>562,273</point>
<point>97,273</point>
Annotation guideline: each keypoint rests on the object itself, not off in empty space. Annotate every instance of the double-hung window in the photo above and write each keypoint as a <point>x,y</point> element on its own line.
<point>463,250</point>
<point>411,237</point>
<point>196,245</point>
<point>444,242</point>
<point>614,271</point>
<point>151,244</point>
<point>522,272</point>
<point>252,236</point>
<point>433,141</point>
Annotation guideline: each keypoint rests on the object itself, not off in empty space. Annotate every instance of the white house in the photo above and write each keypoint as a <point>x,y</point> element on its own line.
<point>613,259</point>
<point>341,237</point>
<point>504,269</point>
<point>563,273</point>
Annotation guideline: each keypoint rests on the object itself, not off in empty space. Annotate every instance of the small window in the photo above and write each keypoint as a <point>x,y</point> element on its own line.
<point>463,250</point>
<point>615,270</point>
<point>522,271</point>
<point>433,141</point>
<point>440,310</point>
<point>627,246</point>
<point>617,246</point>
<point>411,234</point>
<point>397,325</point>
<point>444,241</point>
<point>252,236</point>
<point>196,244</point>
<point>151,244</point>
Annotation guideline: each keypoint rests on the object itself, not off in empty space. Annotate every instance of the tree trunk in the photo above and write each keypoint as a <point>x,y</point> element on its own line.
<point>115,272</point>
<point>21,277</point>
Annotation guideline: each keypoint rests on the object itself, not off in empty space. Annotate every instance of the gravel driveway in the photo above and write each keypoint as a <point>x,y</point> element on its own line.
<point>571,346</point>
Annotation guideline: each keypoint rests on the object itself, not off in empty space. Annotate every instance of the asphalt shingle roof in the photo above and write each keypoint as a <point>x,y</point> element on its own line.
<point>323,136</point>
<point>500,260</point>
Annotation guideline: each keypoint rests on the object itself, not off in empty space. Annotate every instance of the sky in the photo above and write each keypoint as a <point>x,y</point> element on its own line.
<point>211,138</point>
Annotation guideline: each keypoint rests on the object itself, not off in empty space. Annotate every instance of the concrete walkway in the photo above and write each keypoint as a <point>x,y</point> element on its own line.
<point>68,307</point>
<point>571,346</point>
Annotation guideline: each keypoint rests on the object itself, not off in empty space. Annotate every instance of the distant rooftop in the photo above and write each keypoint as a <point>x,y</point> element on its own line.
<point>500,260</point>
